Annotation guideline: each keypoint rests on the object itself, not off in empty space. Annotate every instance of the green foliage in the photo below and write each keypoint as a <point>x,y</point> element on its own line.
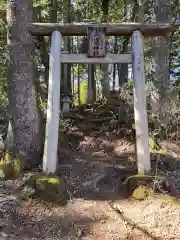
<point>10,169</point>
<point>41,3</point>
<point>88,11</point>
<point>154,143</point>
<point>83,92</point>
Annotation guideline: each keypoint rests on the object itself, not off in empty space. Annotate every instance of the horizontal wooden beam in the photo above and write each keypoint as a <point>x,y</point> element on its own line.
<point>110,58</point>
<point>112,29</point>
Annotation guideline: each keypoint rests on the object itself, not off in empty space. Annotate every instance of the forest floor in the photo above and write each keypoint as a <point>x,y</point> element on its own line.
<point>94,159</point>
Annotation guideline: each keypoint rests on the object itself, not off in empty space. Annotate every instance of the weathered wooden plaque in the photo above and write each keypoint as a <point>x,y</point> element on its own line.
<point>96,42</point>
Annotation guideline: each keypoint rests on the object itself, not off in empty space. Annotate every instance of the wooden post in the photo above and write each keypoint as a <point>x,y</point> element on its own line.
<point>52,124</point>
<point>140,113</point>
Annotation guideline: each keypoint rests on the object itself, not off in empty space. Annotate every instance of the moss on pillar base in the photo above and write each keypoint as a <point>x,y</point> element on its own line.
<point>10,168</point>
<point>139,186</point>
<point>47,188</point>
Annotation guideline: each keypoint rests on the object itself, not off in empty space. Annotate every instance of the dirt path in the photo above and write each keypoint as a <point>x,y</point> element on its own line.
<point>94,165</point>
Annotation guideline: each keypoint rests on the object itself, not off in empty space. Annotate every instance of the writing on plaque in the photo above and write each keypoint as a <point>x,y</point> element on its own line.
<point>96,42</point>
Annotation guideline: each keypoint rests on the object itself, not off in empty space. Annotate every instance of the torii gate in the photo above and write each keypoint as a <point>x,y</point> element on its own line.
<point>97,54</point>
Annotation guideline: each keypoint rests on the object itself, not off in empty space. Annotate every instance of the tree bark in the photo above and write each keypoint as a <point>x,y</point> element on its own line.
<point>21,90</point>
<point>91,84</point>
<point>123,67</point>
<point>67,47</point>
<point>105,78</point>
<point>73,78</point>
<point>105,81</point>
<point>115,65</point>
<point>137,16</point>
<point>78,87</point>
<point>161,52</point>
<point>43,46</point>
<point>54,6</point>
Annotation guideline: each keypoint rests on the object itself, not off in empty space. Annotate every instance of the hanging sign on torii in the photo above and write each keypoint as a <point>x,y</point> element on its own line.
<point>96,42</point>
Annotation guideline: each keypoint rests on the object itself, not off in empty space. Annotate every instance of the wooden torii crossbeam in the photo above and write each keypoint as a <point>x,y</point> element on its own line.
<point>112,29</point>
<point>136,30</point>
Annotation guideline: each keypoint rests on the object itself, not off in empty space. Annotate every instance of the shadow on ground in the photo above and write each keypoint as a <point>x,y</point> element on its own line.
<point>18,226</point>
<point>96,164</point>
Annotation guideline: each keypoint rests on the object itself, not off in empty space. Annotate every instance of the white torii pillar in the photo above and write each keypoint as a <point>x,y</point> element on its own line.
<point>53,108</point>
<point>140,112</point>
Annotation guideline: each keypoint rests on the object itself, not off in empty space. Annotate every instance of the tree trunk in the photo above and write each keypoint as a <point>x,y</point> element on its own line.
<point>137,16</point>
<point>67,47</point>
<point>21,90</point>
<point>54,6</point>
<point>114,66</point>
<point>105,81</point>
<point>114,77</point>
<point>161,49</point>
<point>73,78</point>
<point>78,87</point>
<point>91,84</point>
<point>104,67</point>
<point>123,68</point>
<point>139,11</point>
<point>42,44</point>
